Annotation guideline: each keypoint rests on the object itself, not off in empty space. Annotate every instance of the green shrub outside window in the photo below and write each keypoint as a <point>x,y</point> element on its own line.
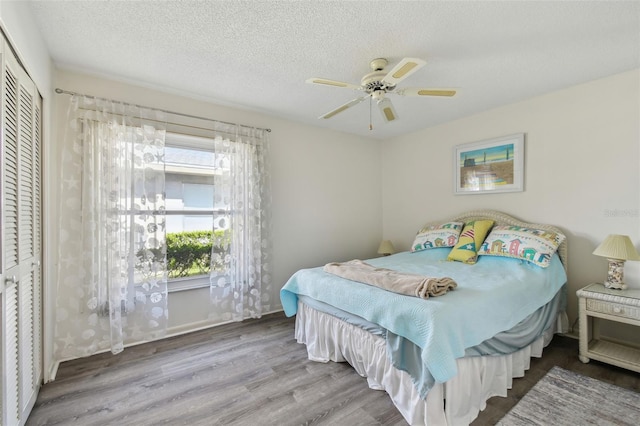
<point>189,253</point>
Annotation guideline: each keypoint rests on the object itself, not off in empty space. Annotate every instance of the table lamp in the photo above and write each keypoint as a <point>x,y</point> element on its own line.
<point>386,248</point>
<point>617,249</point>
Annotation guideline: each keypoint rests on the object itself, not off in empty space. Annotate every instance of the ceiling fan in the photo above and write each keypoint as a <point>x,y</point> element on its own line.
<point>378,83</point>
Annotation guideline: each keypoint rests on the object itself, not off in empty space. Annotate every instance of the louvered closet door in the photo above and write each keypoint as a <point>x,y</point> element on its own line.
<point>21,241</point>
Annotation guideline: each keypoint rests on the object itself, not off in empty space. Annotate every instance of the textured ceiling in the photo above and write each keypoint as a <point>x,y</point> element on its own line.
<point>257,55</point>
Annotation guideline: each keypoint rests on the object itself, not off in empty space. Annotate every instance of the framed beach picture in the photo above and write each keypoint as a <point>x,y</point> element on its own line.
<point>489,166</point>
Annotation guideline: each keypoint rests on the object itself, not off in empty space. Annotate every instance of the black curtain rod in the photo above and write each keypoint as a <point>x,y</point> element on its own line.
<point>66,92</point>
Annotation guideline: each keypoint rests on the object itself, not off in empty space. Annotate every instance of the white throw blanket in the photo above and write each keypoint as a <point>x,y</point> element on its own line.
<point>388,279</point>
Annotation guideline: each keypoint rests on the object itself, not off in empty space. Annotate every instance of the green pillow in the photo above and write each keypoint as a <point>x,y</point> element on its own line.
<point>469,241</point>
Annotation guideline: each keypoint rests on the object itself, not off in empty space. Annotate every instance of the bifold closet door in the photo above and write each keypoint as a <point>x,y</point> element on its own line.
<point>21,241</point>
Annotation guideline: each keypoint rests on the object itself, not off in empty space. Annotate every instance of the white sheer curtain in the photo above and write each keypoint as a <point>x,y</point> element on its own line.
<point>242,289</point>
<point>112,281</point>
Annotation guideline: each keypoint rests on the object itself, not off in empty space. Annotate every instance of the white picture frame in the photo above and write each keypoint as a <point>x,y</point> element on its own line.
<point>489,166</point>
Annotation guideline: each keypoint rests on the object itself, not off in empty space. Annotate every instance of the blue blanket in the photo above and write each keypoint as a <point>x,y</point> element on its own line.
<point>492,296</point>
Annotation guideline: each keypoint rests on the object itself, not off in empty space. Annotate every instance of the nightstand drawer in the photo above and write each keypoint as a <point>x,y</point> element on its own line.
<point>616,309</point>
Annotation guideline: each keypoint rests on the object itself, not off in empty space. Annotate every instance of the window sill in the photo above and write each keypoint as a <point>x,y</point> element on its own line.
<point>190,283</point>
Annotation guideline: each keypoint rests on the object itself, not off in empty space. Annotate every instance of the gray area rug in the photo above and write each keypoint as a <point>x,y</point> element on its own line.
<point>563,397</point>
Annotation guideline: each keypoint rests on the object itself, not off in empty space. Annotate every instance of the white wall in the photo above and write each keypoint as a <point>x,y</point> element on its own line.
<point>325,188</point>
<point>581,171</point>
<point>20,28</point>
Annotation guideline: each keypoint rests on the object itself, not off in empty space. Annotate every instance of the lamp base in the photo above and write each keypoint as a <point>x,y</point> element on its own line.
<point>615,275</point>
<point>616,286</point>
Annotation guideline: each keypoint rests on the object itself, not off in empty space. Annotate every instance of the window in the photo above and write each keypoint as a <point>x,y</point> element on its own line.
<point>196,216</point>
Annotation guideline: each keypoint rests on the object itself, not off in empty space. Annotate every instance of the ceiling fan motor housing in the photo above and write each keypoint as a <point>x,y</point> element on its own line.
<point>372,82</point>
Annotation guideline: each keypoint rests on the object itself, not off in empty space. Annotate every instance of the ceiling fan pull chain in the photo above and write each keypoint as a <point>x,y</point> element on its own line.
<point>370,123</point>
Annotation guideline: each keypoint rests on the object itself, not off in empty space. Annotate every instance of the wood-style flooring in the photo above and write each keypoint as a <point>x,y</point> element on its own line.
<point>250,373</point>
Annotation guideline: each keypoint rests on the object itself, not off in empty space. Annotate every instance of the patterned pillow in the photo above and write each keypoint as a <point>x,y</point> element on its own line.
<point>533,245</point>
<point>466,250</point>
<point>443,235</point>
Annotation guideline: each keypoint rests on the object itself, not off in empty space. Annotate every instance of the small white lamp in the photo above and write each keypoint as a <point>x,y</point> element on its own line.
<point>617,249</point>
<point>386,248</point>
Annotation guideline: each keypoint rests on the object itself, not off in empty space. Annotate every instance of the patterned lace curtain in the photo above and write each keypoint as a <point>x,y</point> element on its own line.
<point>240,279</point>
<point>112,282</point>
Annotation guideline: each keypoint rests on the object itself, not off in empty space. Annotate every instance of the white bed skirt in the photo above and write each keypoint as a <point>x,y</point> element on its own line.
<point>479,378</point>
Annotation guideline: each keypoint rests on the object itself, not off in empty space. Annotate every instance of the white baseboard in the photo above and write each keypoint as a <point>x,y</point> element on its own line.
<point>52,372</point>
<point>202,325</point>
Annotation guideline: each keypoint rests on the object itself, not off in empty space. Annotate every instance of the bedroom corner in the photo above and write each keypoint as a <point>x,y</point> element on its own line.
<point>581,172</point>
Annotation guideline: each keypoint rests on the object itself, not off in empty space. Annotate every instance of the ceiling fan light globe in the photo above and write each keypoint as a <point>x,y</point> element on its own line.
<point>378,95</point>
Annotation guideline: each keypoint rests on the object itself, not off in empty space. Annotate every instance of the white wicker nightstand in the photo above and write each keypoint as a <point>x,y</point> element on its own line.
<point>596,301</point>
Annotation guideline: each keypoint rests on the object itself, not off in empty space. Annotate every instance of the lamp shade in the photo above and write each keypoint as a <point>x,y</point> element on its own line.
<point>386,248</point>
<point>617,247</point>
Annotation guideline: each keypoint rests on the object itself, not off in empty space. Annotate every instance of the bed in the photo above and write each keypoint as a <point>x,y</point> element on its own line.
<point>440,358</point>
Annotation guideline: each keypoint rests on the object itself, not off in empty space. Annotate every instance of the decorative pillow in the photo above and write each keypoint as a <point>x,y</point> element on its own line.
<point>443,235</point>
<point>472,236</point>
<point>533,245</point>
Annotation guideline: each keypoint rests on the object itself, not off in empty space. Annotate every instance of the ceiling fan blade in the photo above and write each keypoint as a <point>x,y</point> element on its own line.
<point>334,83</point>
<point>417,91</point>
<point>341,108</point>
<point>404,69</point>
<point>387,110</point>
